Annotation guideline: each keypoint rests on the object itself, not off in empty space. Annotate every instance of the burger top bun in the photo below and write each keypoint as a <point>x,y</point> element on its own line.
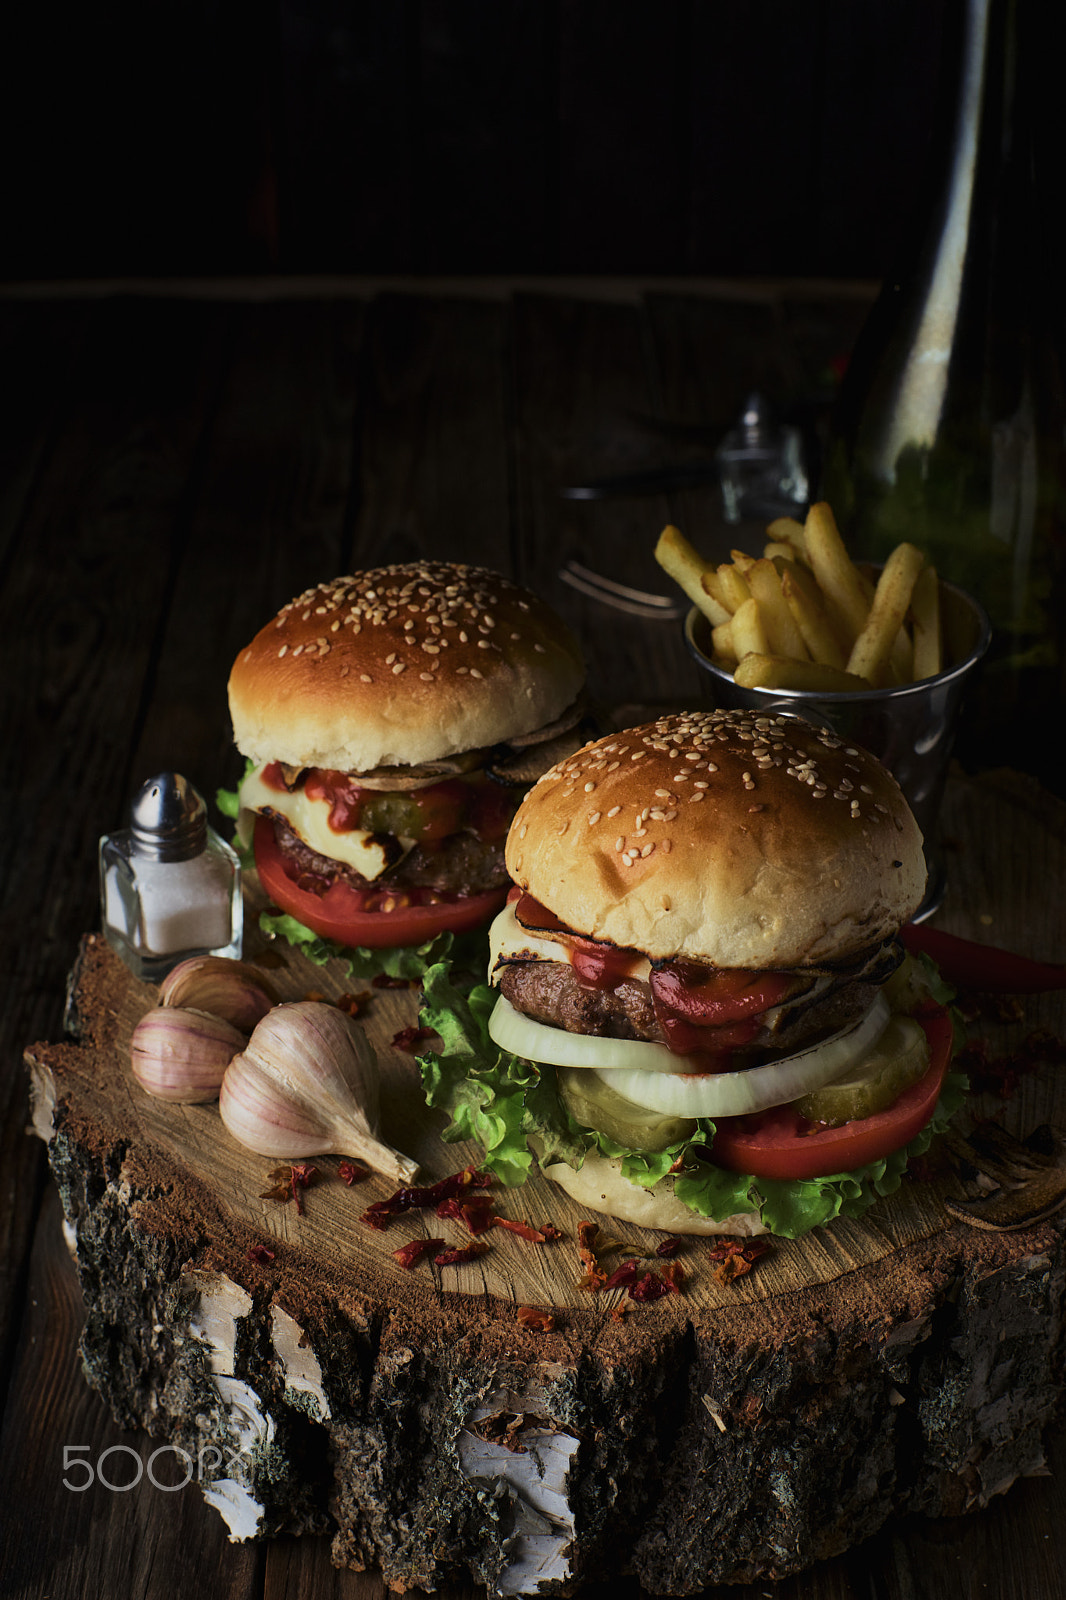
<point>401,665</point>
<point>734,838</point>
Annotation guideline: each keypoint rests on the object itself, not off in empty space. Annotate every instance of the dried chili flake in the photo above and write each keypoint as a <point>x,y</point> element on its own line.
<point>353,1172</point>
<point>410,1254</point>
<point>286,1183</point>
<point>477,1211</point>
<point>424,1197</point>
<point>460,1254</point>
<point>261,1254</point>
<point>674,1274</point>
<point>526,1230</point>
<point>410,1038</point>
<point>649,1286</point>
<point>353,1005</point>
<point>734,1257</point>
<point>622,1277</point>
<point>668,1248</point>
<point>594,1275</point>
<point>534,1317</point>
<point>382,980</point>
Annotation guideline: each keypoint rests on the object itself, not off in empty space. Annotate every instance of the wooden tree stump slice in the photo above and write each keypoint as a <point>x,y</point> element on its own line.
<point>732,1431</point>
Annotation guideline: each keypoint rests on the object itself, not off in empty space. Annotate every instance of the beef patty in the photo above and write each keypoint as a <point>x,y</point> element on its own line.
<point>462,863</point>
<point>551,992</point>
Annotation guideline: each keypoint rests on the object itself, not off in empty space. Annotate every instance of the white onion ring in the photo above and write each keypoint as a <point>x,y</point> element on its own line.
<point>636,1068</point>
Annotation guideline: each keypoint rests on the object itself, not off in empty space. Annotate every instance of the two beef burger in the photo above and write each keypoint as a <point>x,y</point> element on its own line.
<point>701,998</point>
<point>392,721</point>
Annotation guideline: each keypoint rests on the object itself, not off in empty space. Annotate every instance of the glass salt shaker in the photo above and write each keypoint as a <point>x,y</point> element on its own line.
<point>169,886</point>
<point>760,466</point>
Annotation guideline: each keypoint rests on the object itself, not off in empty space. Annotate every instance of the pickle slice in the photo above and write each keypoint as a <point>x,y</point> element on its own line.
<point>391,813</point>
<point>899,1058</point>
<point>595,1104</point>
<point>907,987</point>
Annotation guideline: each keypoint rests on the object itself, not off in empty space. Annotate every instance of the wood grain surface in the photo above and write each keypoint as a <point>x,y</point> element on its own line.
<point>175,469</point>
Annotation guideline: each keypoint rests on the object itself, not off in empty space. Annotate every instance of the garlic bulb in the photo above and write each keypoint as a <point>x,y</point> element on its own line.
<point>233,990</point>
<point>306,1084</point>
<point>177,1053</point>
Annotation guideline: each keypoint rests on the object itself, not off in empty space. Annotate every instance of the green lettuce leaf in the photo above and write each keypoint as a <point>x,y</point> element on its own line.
<point>467,951</point>
<point>493,1098</point>
<point>501,1101</point>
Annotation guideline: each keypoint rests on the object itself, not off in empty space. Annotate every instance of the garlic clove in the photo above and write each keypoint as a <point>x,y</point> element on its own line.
<point>307,1083</point>
<point>180,1054</point>
<point>233,990</point>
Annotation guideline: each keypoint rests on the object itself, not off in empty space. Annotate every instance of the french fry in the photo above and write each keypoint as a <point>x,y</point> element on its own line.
<point>778,672</point>
<point>749,634</point>
<point>776,550</point>
<point>789,530</point>
<point>722,644</point>
<point>677,558</point>
<point>786,537</point>
<point>872,649</point>
<point>804,616</point>
<point>784,637</point>
<point>846,596</point>
<point>804,600</point>
<point>733,586</point>
<point>925,624</point>
<point>715,607</point>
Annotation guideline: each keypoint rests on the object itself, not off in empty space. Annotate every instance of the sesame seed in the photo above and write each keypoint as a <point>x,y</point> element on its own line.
<point>589,787</point>
<point>364,677</point>
<point>474,673</point>
<point>283,651</point>
<point>594,817</point>
<point>401,666</point>
<point>647,850</point>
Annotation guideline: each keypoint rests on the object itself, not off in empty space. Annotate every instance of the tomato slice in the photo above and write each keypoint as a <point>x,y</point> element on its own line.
<point>354,916</point>
<point>779,1143</point>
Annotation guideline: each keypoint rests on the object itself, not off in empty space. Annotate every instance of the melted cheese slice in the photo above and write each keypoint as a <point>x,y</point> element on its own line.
<point>309,820</point>
<point>509,941</point>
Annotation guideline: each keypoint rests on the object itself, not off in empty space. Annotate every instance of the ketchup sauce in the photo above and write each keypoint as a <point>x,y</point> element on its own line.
<point>704,1012</point>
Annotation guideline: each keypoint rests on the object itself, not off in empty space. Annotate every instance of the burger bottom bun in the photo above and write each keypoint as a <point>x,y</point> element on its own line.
<point>598,1184</point>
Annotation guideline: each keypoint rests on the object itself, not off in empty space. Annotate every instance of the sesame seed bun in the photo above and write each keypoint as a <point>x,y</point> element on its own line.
<point>728,837</point>
<point>401,665</point>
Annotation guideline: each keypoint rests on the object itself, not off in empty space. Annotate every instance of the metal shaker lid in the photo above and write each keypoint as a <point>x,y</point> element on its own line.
<point>169,819</point>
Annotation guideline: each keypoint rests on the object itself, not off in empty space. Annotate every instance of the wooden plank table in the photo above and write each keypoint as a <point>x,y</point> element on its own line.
<point>173,469</point>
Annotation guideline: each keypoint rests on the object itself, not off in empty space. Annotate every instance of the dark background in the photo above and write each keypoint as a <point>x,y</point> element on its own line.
<point>221,137</point>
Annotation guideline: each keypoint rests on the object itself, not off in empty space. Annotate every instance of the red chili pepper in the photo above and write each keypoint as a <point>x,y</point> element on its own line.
<point>526,1230</point>
<point>651,1287</point>
<point>983,966</point>
<point>622,1277</point>
<point>409,1255</point>
<point>456,1257</point>
<point>419,1198</point>
<point>477,1212</point>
